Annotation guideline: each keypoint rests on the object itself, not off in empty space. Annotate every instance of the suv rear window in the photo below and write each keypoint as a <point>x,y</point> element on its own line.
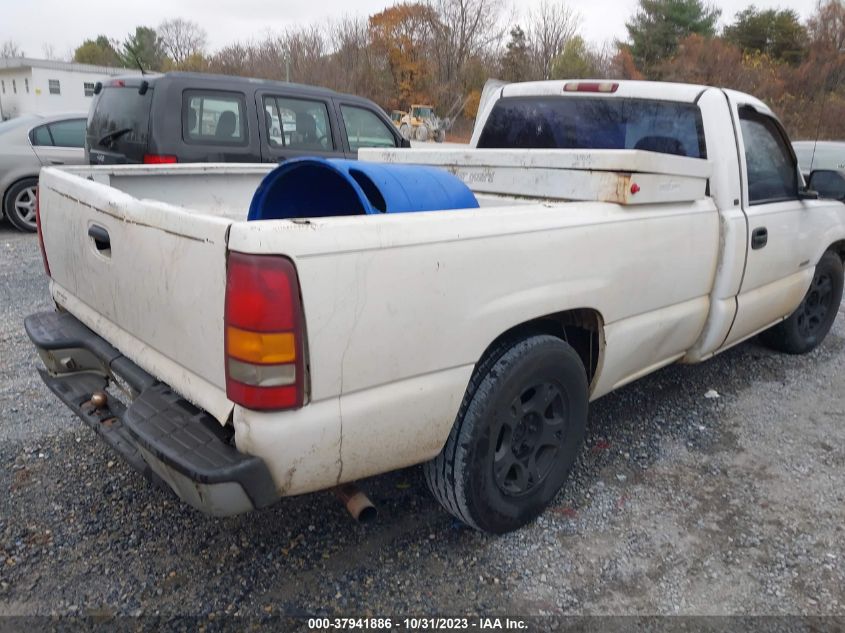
<point>213,117</point>
<point>123,114</point>
<point>595,123</point>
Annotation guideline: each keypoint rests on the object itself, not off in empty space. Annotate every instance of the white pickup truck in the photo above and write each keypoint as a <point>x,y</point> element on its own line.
<point>620,227</point>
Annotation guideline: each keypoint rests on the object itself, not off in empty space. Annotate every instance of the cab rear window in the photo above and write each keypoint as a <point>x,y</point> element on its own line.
<point>213,117</point>
<point>595,123</point>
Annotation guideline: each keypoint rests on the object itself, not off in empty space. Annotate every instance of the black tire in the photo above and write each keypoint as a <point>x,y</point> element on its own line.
<point>806,328</point>
<point>20,204</point>
<point>527,400</point>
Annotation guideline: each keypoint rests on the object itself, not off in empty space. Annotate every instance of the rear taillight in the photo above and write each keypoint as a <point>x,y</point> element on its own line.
<point>159,159</point>
<point>40,233</point>
<point>590,86</point>
<point>264,336</point>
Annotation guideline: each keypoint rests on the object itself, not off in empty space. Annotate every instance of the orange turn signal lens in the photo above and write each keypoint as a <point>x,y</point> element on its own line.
<point>260,347</point>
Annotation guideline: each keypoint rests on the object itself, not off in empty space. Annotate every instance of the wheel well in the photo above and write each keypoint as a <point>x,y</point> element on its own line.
<point>582,328</point>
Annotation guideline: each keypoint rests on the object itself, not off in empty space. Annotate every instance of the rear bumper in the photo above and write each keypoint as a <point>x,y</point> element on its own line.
<point>158,433</point>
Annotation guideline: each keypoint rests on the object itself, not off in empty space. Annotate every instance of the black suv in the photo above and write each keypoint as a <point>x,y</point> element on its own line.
<point>194,117</point>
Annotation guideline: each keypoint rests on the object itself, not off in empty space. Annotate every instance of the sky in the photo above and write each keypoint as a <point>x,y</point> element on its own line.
<point>65,24</point>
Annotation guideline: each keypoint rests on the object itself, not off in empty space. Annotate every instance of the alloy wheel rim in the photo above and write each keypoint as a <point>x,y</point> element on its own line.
<point>530,438</point>
<point>25,206</point>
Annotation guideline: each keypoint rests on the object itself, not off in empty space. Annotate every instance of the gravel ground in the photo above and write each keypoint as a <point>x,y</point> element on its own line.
<point>680,504</point>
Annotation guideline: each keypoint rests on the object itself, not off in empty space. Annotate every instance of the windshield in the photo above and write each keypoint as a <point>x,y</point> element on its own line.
<point>595,123</point>
<point>423,113</point>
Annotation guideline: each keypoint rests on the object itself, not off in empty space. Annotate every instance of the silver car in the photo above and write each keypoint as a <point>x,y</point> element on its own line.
<point>813,155</point>
<point>26,144</point>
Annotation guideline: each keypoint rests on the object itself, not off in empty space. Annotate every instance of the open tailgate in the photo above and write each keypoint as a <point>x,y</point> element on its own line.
<point>147,276</point>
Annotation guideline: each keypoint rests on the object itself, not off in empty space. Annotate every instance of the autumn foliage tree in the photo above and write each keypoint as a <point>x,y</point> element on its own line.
<point>401,34</point>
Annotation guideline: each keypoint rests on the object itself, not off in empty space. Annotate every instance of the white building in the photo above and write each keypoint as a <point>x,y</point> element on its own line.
<point>40,86</point>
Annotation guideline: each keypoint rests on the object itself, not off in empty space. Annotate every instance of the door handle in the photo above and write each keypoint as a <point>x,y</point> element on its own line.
<point>101,238</point>
<point>759,238</point>
<point>57,162</point>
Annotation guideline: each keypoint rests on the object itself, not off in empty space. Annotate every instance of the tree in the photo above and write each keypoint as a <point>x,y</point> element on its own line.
<point>622,65</point>
<point>827,26</point>
<point>576,61</point>
<point>49,51</point>
<point>551,25</point>
<point>144,47</point>
<point>658,25</point>
<point>181,39</point>
<point>516,62</point>
<point>100,52</point>
<point>402,34</point>
<point>10,48</point>
<point>463,30</point>
<point>776,33</point>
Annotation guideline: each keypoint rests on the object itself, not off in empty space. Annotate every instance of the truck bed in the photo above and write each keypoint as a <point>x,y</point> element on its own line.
<point>456,280</point>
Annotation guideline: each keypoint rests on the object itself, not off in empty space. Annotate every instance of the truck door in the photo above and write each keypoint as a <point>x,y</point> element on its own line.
<point>295,126</point>
<point>778,269</point>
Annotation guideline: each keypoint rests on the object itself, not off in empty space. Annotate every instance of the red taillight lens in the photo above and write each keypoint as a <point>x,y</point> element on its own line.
<point>590,86</point>
<point>264,342</point>
<point>40,232</point>
<point>159,159</point>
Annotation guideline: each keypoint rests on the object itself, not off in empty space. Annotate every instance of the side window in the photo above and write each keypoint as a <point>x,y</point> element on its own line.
<point>69,133</point>
<point>772,174</point>
<point>40,136</point>
<point>54,86</point>
<point>365,129</point>
<point>297,124</point>
<point>829,184</point>
<point>213,117</point>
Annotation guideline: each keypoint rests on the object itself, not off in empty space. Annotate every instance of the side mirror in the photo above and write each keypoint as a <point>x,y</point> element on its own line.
<point>829,183</point>
<point>403,142</point>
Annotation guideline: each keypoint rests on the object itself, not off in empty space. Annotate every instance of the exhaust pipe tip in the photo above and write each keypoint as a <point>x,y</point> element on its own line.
<point>367,514</point>
<point>357,503</point>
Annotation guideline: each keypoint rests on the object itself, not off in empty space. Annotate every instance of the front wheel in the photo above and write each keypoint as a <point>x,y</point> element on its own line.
<point>20,204</point>
<point>516,437</point>
<point>805,328</point>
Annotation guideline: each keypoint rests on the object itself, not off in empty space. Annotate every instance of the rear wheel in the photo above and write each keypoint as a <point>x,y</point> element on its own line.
<point>805,328</point>
<point>20,204</point>
<point>516,436</point>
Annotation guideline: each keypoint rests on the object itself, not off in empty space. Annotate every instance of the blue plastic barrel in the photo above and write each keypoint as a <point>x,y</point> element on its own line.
<point>319,187</point>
